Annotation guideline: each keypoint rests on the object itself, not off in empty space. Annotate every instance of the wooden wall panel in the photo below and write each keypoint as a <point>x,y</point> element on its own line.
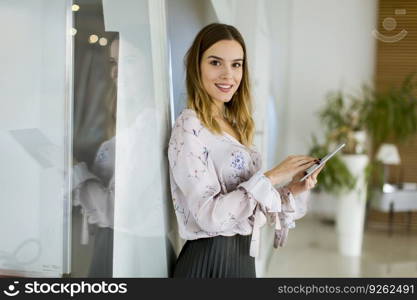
<point>395,60</point>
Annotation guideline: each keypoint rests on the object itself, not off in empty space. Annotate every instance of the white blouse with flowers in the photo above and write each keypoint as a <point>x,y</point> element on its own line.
<point>218,187</point>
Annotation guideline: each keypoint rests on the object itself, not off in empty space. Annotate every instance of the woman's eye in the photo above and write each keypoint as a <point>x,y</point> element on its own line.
<point>215,63</point>
<point>237,65</point>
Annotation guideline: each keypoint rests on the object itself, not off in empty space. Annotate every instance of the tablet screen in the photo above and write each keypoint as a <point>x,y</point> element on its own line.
<point>322,161</point>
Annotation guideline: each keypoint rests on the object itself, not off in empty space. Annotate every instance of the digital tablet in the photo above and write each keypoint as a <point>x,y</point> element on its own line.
<point>311,170</point>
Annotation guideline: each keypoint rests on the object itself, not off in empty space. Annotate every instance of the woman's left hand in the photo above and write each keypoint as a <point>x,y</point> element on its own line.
<point>296,187</point>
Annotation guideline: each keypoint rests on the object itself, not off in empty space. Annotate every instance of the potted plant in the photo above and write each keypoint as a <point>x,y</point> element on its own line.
<point>344,175</point>
<point>391,115</point>
<point>363,123</point>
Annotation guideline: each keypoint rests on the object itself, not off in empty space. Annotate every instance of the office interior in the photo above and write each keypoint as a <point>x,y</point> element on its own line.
<point>92,88</point>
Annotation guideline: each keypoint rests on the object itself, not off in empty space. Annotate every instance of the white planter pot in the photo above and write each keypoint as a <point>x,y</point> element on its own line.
<point>323,205</point>
<point>361,141</point>
<point>351,208</point>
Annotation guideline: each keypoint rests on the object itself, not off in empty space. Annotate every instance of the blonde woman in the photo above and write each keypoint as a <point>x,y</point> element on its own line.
<point>221,197</point>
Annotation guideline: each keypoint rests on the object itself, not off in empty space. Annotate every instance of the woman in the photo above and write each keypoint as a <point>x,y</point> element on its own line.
<point>221,198</point>
<point>93,188</point>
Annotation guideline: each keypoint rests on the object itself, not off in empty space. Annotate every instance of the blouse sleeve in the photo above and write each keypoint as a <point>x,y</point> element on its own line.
<point>95,199</point>
<point>81,174</point>
<point>193,171</point>
<point>293,208</point>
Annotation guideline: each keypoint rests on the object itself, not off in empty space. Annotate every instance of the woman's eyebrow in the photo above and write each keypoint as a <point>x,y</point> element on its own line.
<point>219,58</point>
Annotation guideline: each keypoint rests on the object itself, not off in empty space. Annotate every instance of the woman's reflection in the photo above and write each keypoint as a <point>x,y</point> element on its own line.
<point>93,187</point>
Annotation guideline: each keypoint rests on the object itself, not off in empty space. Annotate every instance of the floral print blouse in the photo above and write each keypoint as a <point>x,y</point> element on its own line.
<point>218,187</point>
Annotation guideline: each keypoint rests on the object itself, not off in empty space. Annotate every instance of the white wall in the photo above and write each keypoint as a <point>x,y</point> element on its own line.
<point>278,18</point>
<point>185,19</point>
<point>330,47</point>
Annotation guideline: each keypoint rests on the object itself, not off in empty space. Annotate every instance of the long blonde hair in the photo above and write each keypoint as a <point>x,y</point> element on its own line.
<point>238,111</point>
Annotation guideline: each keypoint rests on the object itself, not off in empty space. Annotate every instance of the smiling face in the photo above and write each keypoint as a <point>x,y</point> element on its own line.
<point>222,70</point>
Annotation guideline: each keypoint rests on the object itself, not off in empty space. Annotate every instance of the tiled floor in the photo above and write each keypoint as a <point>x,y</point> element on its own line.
<point>311,251</point>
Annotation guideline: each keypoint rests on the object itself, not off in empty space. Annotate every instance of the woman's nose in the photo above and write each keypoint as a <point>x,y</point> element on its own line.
<point>226,72</point>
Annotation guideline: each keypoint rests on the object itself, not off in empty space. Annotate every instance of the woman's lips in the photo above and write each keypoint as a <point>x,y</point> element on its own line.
<point>225,88</point>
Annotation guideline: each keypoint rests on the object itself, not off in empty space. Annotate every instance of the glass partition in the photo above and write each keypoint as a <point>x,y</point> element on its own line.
<point>84,128</point>
<point>120,192</point>
<point>34,120</point>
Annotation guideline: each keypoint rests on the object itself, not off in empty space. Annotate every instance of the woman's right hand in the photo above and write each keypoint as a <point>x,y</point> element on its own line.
<point>289,167</point>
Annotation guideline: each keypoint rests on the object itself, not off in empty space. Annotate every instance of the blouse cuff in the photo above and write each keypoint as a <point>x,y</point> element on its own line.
<point>261,188</point>
<point>80,174</point>
<point>287,200</point>
<point>284,220</point>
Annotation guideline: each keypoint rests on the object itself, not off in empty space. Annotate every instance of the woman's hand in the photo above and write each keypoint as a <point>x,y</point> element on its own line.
<point>288,168</point>
<point>296,187</point>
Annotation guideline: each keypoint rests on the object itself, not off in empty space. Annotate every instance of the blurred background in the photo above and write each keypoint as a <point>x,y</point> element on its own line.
<point>91,89</point>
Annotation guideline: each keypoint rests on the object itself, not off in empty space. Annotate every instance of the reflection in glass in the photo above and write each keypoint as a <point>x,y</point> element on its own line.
<point>103,41</point>
<point>93,39</point>
<point>95,98</point>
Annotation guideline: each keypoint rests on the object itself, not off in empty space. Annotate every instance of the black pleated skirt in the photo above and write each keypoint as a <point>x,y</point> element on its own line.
<point>216,257</point>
